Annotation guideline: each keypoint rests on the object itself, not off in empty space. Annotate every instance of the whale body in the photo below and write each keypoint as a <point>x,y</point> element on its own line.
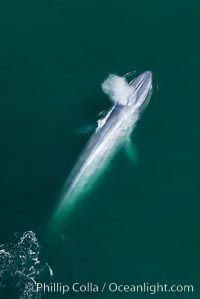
<point>112,132</point>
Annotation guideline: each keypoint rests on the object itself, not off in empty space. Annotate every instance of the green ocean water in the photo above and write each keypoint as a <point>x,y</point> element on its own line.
<point>141,222</point>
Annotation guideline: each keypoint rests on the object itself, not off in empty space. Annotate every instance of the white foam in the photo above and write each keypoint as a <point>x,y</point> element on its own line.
<point>20,266</point>
<point>117,88</point>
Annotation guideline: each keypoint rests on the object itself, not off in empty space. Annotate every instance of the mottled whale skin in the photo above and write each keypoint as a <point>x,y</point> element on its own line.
<point>112,133</point>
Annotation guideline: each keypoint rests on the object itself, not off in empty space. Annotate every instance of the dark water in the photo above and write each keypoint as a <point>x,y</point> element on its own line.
<point>141,222</point>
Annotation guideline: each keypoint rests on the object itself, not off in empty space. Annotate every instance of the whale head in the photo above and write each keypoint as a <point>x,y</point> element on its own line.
<point>142,89</point>
<point>122,92</point>
<point>135,94</point>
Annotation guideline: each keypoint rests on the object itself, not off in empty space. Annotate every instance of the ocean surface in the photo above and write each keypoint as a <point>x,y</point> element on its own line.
<point>141,221</point>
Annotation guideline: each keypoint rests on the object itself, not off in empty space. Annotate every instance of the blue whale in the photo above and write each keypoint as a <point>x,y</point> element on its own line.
<point>113,132</point>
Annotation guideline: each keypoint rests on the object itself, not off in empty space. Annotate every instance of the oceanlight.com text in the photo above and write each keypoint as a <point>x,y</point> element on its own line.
<point>113,287</point>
